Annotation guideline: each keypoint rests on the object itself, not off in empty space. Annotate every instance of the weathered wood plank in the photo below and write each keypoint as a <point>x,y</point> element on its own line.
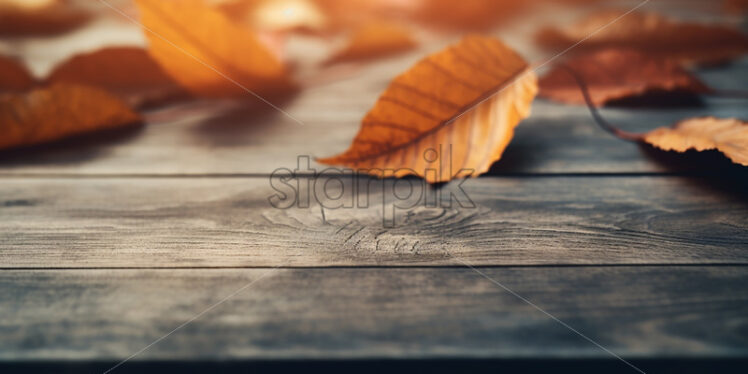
<point>636,312</point>
<point>187,222</point>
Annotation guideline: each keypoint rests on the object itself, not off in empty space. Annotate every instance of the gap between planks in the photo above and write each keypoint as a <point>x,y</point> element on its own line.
<point>717,175</point>
<point>385,266</point>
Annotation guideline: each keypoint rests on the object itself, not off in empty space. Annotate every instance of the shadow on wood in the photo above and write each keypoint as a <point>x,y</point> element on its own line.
<point>409,366</point>
<point>71,150</point>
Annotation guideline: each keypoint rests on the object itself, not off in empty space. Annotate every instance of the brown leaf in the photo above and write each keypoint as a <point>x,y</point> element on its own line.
<point>345,14</point>
<point>128,72</point>
<point>613,74</point>
<point>467,14</point>
<point>652,33</point>
<point>736,6</point>
<point>729,136</point>
<point>451,115</point>
<point>14,77</point>
<point>375,40</point>
<point>58,112</point>
<point>208,54</point>
<point>40,17</point>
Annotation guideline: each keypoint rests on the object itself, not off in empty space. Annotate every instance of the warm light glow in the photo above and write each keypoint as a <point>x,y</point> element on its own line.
<point>27,4</point>
<point>287,14</point>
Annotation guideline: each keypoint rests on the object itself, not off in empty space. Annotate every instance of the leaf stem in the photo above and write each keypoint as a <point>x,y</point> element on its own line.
<point>604,124</point>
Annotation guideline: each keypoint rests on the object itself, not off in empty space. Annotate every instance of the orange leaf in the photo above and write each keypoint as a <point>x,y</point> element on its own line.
<point>58,112</point>
<point>14,76</point>
<point>449,116</point>
<point>207,53</point>
<point>729,136</point>
<point>650,32</point>
<point>613,74</point>
<point>128,72</point>
<point>39,17</point>
<point>375,40</point>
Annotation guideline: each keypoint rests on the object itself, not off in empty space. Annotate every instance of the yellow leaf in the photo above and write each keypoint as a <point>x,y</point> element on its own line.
<point>451,115</point>
<point>729,136</point>
<point>207,53</point>
<point>58,112</point>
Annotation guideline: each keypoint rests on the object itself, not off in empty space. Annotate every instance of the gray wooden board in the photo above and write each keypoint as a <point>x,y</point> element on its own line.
<point>87,228</point>
<point>188,222</point>
<point>695,311</point>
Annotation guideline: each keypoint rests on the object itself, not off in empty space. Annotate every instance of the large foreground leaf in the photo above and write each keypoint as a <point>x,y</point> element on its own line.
<point>451,115</point>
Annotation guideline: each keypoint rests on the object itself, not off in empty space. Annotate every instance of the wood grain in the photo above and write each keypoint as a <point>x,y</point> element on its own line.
<point>229,222</point>
<point>109,242</point>
<point>636,312</point>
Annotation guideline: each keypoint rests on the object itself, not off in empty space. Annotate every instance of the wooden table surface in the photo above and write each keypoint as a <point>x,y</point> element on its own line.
<point>110,244</point>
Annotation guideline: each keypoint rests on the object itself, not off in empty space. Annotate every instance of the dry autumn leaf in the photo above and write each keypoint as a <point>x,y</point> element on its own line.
<point>736,6</point>
<point>467,14</point>
<point>375,40</point>
<point>344,14</point>
<point>449,116</point>
<point>57,112</point>
<point>207,53</point>
<point>614,74</point>
<point>14,77</point>
<point>729,136</point>
<point>39,17</point>
<point>652,33</point>
<point>128,72</point>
